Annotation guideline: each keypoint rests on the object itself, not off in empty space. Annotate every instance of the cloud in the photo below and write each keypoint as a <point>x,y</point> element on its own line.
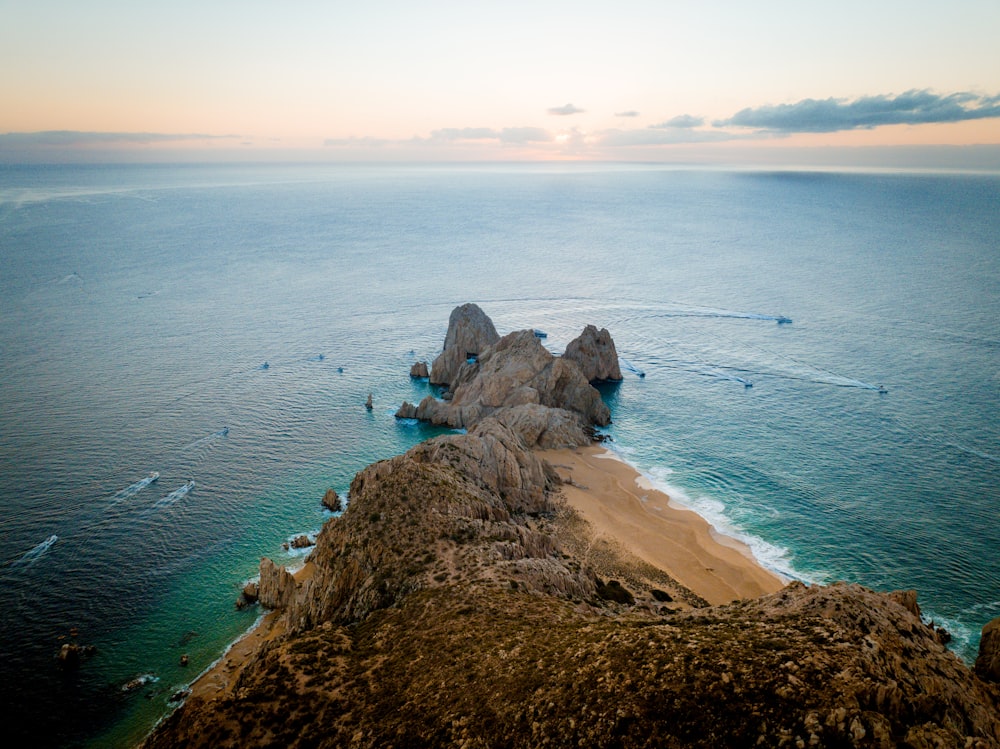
<point>915,107</point>
<point>355,142</point>
<point>662,136</point>
<point>453,136</point>
<point>565,109</point>
<point>521,135</point>
<point>629,113</point>
<point>682,121</point>
<point>464,133</point>
<point>63,138</point>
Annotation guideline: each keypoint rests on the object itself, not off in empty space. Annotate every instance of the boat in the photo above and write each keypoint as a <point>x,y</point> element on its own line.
<point>154,476</point>
<point>782,320</point>
<point>540,333</point>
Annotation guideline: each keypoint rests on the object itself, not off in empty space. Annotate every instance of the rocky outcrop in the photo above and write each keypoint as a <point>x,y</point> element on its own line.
<point>446,615</point>
<point>469,332</point>
<point>276,589</point>
<point>517,370</point>
<point>988,662</point>
<point>594,352</point>
<point>419,370</point>
<point>459,602</point>
<point>332,501</point>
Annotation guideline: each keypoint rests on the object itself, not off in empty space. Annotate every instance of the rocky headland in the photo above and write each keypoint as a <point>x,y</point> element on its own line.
<point>462,600</point>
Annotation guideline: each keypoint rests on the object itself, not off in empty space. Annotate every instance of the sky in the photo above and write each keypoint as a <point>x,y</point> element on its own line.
<point>714,81</point>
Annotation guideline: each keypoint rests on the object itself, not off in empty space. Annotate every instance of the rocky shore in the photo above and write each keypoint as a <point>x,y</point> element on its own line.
<point>472,594</point>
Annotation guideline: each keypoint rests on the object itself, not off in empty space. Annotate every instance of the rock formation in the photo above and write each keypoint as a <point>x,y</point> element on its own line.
<point>517,370</point>
<point>419,370</point>
<point>594,351</point>
<point>459,602</point>
<point>251,592</point>
<point>469,332</point>
<point>277,587</point>
<point>988,662</point>
<point>332,501</point>
<point>455,603</point>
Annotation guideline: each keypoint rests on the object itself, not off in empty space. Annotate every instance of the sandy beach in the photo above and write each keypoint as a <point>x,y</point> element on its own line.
<point>621,505</point>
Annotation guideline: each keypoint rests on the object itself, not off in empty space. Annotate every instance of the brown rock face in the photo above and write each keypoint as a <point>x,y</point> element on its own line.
<point>517,370</point>
<point>594,352</point>
<point>459,602</point>
<point>419,369</point>
<point>469,332</point>
<point>277,586</point>
<point>988,662</point>
<point>332,501</point>
<point>449,608</point>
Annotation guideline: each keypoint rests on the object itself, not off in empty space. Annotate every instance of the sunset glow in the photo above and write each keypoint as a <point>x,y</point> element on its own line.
<point>458,81</point>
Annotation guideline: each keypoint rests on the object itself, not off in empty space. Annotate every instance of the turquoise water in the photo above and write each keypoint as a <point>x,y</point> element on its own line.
<point>138,305</point>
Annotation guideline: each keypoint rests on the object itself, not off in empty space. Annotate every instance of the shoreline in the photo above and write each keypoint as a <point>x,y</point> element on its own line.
<point>219,678</point>
<point>623,506</point>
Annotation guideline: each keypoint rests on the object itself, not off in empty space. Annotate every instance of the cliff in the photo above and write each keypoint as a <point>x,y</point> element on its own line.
<point>459,601</point>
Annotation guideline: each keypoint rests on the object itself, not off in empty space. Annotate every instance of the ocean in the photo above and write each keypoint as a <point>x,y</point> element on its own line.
<point>810,359</point>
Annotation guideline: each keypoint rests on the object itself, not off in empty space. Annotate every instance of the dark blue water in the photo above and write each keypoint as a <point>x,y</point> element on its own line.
<point>138,305</point>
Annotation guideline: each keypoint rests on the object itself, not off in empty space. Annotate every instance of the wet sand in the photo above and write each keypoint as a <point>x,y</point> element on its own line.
<point>621,505</point>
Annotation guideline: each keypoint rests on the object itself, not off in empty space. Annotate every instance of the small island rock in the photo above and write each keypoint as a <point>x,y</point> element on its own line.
<point>332,501</point>
<point>419,370</point>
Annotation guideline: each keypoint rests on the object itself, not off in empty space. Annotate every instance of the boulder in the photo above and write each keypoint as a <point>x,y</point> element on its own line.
<point>988,661</point>
<point>594,351</point>
<point>301,542</point>
<point>332,501</point>
<point>250,592</point>
<point>419,370</point>
<point>469,332</point>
